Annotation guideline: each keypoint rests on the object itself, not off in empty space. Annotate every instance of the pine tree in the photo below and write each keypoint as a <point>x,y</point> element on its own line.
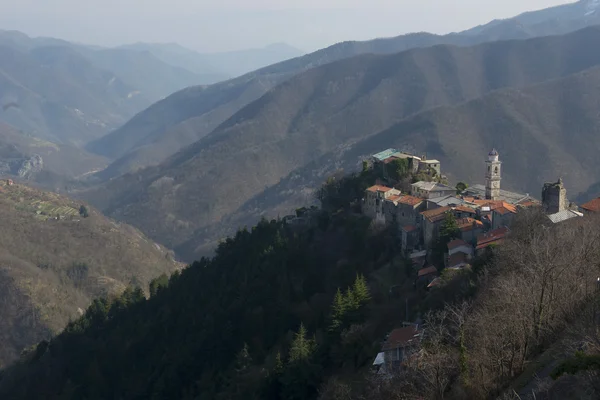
<point>302,347</point>
<point>351,301</point>
<point>338,311</point>
<point>361,290</point>
<point>449,229</point>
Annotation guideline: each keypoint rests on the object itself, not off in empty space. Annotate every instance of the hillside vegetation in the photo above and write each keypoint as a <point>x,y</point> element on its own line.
<point>55,257</point>
<point>313,332</point>
<point>56,164</point>
<point>331,107</point>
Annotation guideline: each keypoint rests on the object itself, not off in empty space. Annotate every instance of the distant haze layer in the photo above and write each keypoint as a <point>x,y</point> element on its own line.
<point>238,24</point>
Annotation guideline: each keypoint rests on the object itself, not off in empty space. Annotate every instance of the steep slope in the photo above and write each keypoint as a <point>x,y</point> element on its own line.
<point>53,162</point>
<point>56,94</point>
<point>50,269</point>
<point>143,141</point>
<point>325,108</point>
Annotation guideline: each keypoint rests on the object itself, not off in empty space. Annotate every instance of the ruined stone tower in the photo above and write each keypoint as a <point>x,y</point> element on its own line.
<point>493,176</point>
<point>554,197</point>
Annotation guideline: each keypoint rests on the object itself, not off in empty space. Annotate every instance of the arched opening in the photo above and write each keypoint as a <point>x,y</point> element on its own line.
<point>496,170</point>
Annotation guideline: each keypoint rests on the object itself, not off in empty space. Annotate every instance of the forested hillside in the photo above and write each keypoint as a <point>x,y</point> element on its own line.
<point>299,311</point>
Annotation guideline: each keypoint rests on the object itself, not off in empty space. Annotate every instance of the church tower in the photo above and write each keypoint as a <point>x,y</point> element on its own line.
<point>493,176</point>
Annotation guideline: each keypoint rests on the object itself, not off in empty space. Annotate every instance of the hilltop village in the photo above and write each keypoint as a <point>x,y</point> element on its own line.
<point>444,228</point>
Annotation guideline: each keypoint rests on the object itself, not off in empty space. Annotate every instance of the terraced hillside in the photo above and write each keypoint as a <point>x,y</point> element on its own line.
<point>53,262</point>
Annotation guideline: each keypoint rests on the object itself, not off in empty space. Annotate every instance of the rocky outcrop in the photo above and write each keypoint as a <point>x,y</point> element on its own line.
<point>30,166</point>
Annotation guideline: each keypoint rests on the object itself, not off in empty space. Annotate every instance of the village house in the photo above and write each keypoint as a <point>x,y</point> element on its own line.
<point>373,201</point>
<point>427,166</point>
<point>409,238</point>
<point>469,228</point>
<point>383,158</point>
<point>401,346</point>
<point>445,201</point>
<point>503,215</point>
<point>431,190</point>
<point>494,237</point>
<point>457,261</point>
<point>459,246</point>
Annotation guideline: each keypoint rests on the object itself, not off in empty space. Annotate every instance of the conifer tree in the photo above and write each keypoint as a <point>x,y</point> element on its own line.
<point>302,347</point>
<point>361,291</point>
<point>338,311</point>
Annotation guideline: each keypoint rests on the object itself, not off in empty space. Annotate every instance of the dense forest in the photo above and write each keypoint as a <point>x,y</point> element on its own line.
<point>299,309</point>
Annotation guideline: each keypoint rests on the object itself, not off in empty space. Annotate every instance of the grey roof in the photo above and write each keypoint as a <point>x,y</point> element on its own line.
<point>564,215</point>
<point>478,190</point>
<point>432,186</point>
<point>447,201</point>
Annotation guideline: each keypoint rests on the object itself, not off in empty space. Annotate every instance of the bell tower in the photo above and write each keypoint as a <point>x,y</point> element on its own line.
<point>493,176</point>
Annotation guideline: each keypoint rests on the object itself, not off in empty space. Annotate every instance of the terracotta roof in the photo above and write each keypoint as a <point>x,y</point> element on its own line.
<point>467,224</point>
<point>427,271</point>
<point>402,337</point>
<point>505,208</point>
<point>409,228</point>
<point>593,206</point>
<point>393,198</point>
<point>379,188</point>
<point>456,259</point>
<point>491,237</point>
<point>457,243</point>
<point>410,200</point>
<point>436,214</point>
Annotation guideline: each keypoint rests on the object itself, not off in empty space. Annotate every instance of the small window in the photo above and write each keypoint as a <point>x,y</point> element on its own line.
<point>489,168</point>
<point>496,170</point>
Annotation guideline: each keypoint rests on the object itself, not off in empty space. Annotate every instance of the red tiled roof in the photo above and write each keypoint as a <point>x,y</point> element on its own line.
<point>379,188</point>
<point>492,237</point>
<point>457,243</point>
<point>467,224</point>
<point>593,206</point>
<point>505,208</point>
<point>409,228</point>
<point>402,337</point>
<point>427,271</point>
<point>436,214</point>
<point>456,259</point>
<point>393,198</point>
<point>410,200</point>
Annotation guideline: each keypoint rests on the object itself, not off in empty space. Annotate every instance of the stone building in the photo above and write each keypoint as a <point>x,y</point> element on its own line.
<point>554,197</point>
<point>431,190</point>
<point>493,176</point>
<point>373,202</point>
<point>426,165</point>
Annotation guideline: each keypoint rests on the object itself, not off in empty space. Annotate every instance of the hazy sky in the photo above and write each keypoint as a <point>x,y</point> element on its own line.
<point>218,25</point>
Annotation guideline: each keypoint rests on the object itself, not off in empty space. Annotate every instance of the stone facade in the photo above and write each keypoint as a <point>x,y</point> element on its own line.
<point>554,197</point>
<point>493,175</point>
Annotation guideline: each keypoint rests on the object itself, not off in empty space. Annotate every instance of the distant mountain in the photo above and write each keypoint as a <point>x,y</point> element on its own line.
<point>189,115</point>
<point>66,91</point>
<point>56,94</point>
<point>221,65</point>
<point>326,108</point>
<point>51,269</point>
<point>182,57</point>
